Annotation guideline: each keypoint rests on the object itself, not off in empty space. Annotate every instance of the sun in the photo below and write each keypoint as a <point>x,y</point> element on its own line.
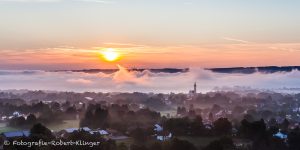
<point>110,54</point>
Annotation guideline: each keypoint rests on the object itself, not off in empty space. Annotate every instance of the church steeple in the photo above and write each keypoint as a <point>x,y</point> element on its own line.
<point>195,87</point>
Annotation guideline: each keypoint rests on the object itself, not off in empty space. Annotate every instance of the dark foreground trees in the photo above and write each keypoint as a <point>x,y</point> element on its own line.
<point>224,143</point>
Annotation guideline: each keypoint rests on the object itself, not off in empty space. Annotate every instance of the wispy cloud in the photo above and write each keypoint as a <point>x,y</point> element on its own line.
<point>285,47</point>
<point>236,40</point>
<point>79,81</point>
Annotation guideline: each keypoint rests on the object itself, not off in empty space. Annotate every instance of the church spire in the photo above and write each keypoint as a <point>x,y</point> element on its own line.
<point>195,87</point>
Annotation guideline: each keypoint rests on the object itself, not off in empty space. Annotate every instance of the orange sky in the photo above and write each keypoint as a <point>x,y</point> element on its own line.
<point>69,34</point>
<point>143,56</point>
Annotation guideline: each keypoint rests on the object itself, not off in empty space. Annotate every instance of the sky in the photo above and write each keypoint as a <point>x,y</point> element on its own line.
<point>70,34</point>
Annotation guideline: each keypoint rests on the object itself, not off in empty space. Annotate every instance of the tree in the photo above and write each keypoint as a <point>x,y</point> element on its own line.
<point>215,108</point>
<point>109,145</point>
<point>266,114</point>
<point>178,126</point>
<point>211,117</point>
<point>138,147</point>
<point>273,122</point>
<point>249,118</point>
<point>55,106</point>
<point>31,119</point>
<point>293,139</point>
<point>222,126</point>
<point>122,146</point>
<point>181,111</point>
<point>253,130</point>
<point>87,137</point>
<point>156,146</point>
<point>17,122</point>
<point>285,125</point>
<point>100,117</point>
<point>139,135</point>
<point>177,144</point>
<point>197,126</point>
<point>38,131</point>
<point>220,144</point>
<point>238,110</point>
<point>95,117</point>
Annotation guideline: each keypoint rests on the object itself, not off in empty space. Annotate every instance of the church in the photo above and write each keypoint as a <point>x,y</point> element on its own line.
<point>193,93</point>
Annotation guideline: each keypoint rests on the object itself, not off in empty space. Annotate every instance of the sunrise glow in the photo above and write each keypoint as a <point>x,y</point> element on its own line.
<point>110,54</point>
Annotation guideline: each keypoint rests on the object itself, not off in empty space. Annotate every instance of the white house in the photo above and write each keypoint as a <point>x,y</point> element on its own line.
<point>158,128</point>
<point>161,135</point>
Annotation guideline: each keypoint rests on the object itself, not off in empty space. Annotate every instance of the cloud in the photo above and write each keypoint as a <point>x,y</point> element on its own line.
<point>236,40</point>
<point>287,49</point>
<point>124,76</point>
<point>145,81</point>
<point>79,81</point>
<point>123,45</point>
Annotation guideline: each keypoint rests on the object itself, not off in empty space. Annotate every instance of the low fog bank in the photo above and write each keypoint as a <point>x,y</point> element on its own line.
<point>147,81</point>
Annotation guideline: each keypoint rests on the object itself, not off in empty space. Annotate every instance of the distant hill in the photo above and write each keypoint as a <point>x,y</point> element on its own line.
<point>163,70</point>
<point>250,70</point>
<point>242,70</point>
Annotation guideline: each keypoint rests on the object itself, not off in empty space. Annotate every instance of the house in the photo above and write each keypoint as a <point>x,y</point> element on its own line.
<point>16,114</point>
<point>87,129</point>
<point>101,132</point>
<point>234,131</point>
<point>158,128</point>
<point>280,135</point>
<point>4,118</point>
<point>208,126</point>
<point>161,135</point>
<point>66,132</point>
<point>70,130</point>
<point>243,143</point>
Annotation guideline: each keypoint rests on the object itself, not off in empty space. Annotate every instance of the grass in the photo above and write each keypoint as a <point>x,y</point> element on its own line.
<point>64,125</point>
<point>8,129</point>
<point>55,127</point>
<point>4,128</point>
<point>172,113</point>
<point>127,142</point>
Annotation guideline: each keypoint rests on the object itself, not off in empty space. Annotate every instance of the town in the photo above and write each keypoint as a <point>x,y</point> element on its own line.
<point>146,121</point>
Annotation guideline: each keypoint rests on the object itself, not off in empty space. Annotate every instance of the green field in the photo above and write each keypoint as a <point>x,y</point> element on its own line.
<point>4,128</point>
<point>55,127</point>
<point>172,113</point>
<point>127,142</point>
<point>64,125</point>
